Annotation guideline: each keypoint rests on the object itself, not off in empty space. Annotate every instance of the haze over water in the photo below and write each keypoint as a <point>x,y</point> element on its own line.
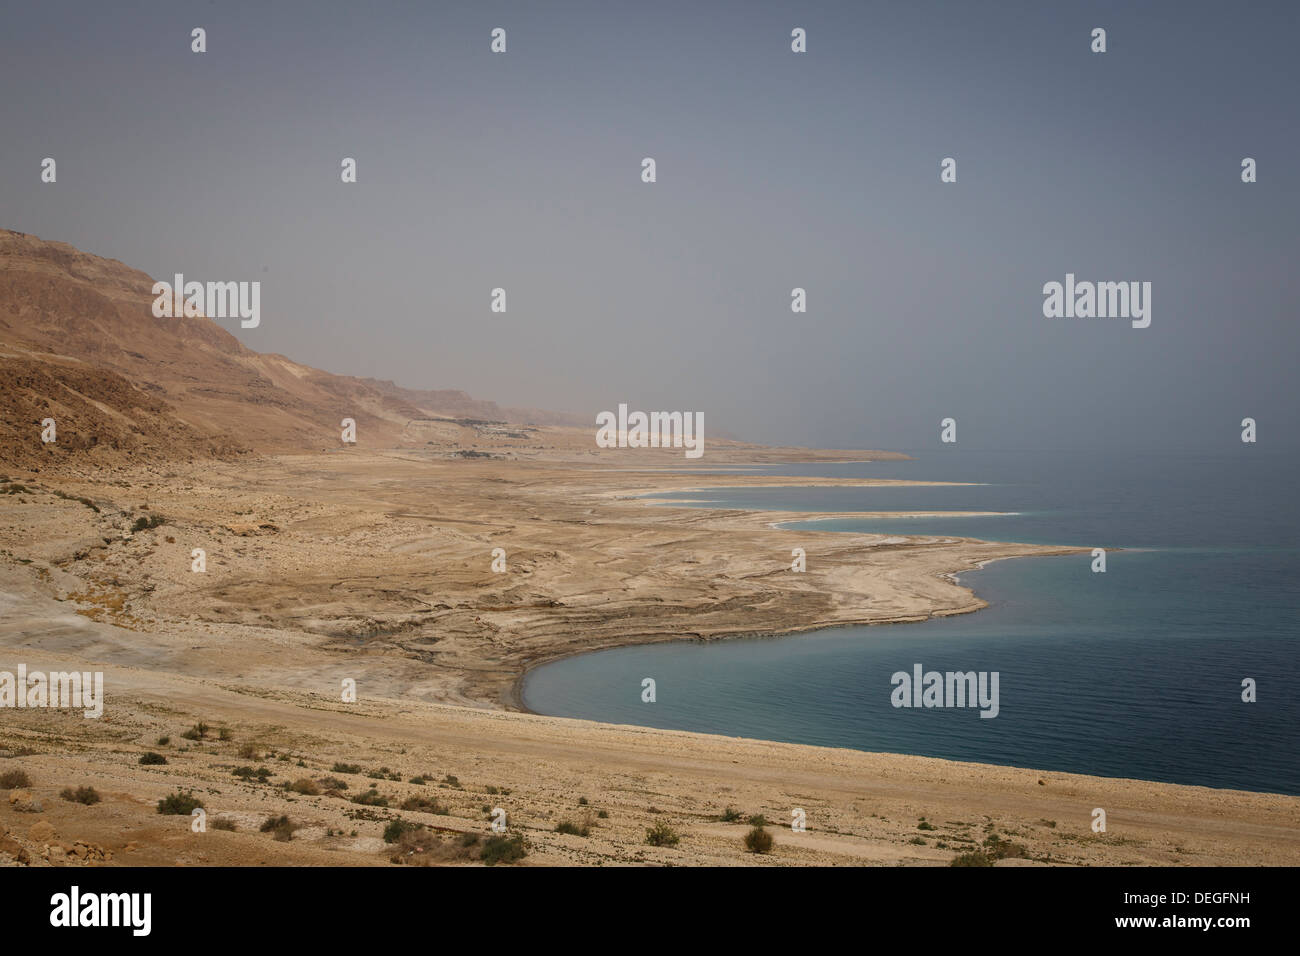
<point>1132,673</point>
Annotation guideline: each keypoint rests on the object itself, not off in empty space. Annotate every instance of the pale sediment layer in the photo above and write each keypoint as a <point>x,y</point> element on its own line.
<point>378,569</point>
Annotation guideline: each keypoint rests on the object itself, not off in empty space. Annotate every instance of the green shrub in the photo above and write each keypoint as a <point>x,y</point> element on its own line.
<point>179,803</point>
<point>573,829</point>
<point>345,768</point>
<point>83,795</point>
<point>502,849</point>
<point>998,849</point>
<point>152,759</point>
<point>661,834</point>
<point>14,779</point>
<point>730,815</point>
<point>758,840</point>
<point>371,798</point>
<point>197,732</point>
<point>304,785</point>
<point>280,827</point>
<point>393,832</point>
<point>974,858</point>
<point>418,802</point>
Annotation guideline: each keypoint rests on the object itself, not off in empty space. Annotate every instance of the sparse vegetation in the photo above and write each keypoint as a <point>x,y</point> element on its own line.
<point>83,795</point>
<point>14,780</point>
<point>371,798</point>
<point>345,768</point>
<point>997,848</point>
<point>422,848</point>
<point>424,804</point>
<point>224,823</point>
<point>974,858</point>
<point>152,759</point>
<point>581,828</point>
<point>145,523</point>
<point>261,774</point>
<point>499,848</point>
<point>182,803</point>
<point>661,834</point>
<point>67,497</point>
<point>197,732</point>
<point>281,827</point>
<point>304,785</point>
<point>393,832</point>
<point>757,820</point>
<point>730,815</point>
<point>758,840</point>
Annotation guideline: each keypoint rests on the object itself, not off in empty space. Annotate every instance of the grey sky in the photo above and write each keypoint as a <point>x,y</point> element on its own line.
<point>775,170</point>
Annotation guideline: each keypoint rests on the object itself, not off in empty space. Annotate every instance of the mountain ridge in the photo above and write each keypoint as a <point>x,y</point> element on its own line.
<point>79,343</point>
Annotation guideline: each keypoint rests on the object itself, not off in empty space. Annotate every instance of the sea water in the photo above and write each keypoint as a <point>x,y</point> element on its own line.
<point>1134,672</point>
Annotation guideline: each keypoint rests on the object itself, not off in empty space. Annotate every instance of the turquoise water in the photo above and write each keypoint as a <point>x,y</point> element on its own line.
<point>1136,672</point>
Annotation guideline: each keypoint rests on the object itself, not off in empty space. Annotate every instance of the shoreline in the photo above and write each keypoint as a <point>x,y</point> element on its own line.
<point>978,605</point>
<point>376,568</point>
<point>862,808</point>
<point>516,696</point>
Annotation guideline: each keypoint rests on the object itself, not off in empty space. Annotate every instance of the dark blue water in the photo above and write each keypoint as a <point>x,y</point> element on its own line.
<point>1136,672</point>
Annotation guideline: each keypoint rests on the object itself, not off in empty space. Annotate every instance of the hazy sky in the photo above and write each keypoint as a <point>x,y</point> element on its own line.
<point>775,170</point>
